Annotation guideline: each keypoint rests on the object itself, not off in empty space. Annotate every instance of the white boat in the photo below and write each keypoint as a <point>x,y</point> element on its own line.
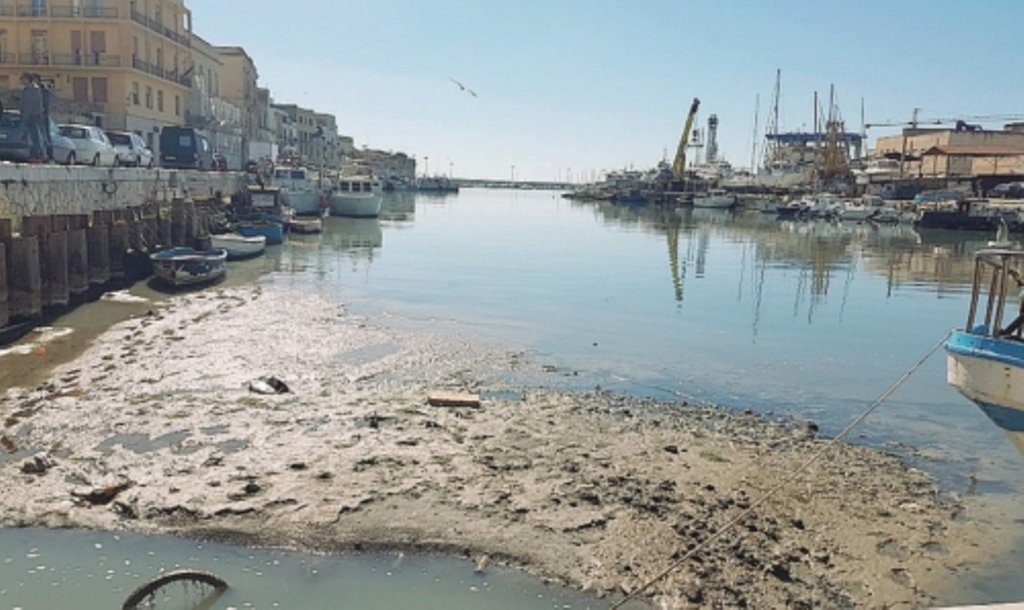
<point>187,267</point>
<point>305,225</point>
<point>714,199</point>
<point>357,197</point>
<point>986,358</point>
<point>239,246</point>
<point>300,190</point>
<point>869,208</point>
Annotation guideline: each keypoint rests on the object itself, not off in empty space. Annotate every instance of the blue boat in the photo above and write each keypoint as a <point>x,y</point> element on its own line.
<point>188,266</point>
<point>272,230</point>
<point>986,358</point>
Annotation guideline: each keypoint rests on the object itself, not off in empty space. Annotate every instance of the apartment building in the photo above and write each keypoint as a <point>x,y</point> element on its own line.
<point>123,64</point>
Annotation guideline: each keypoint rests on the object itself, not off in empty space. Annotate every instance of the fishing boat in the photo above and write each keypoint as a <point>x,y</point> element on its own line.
<point>357,197</point>
<point>305,225</point>
<point>986,358</point>
<point>714,198</point>
<point>271,230</point>
<point>300,190</point>
<point>239,246</point>
<point>188,266</point>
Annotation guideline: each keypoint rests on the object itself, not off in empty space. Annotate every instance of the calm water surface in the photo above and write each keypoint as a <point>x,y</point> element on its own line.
<point>801,320</point>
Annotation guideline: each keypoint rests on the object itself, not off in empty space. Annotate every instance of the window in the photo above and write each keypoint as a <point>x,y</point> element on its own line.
<point>149,97</point>
<point>40,46</point>
<point>3,46</point>
<point>160,58</point>
<point>80,89</point>
<point>99,89</point>
<point>38,8</point>
<point>98,41</point>
<point>160,100</point>
<point>177,105</point>
<point>135,94</point>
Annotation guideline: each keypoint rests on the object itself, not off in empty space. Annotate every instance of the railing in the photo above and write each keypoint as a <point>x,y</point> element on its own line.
<point>34,59</point>
<point>160,28</point>
<point>7,11</point>
<point>33,11</point>
<point>84,12</point>
<point>171,75</point>
<point>8,58</point>
<point>91,60</point>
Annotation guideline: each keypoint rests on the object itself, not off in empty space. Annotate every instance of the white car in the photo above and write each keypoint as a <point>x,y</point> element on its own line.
<point>92,146</point>
<point>131,148</point>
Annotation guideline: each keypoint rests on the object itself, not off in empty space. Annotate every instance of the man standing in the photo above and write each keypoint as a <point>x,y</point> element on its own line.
<point>31,105</point>
<point>45,92</point>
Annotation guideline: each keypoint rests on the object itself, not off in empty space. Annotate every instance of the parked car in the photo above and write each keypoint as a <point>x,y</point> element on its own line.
<point>91,145</point>
<point>131,148</point>
<point>14,142</point>
<point>185,148</point>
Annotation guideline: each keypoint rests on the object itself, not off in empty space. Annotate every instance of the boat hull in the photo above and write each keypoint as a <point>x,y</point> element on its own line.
<point>356,205</point>
<point>719,202</point>
<point>187,267</point>
<point>305,226</point>
<point>305,203</point>
<point>990,372</point>
<point>272,231</point>
<point>239,246</point>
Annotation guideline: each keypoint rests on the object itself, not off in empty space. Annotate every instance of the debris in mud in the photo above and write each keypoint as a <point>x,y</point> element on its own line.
<point>268,385</point>
<point>38,464</point>
<point>101,495</point>
<point>453,399</point>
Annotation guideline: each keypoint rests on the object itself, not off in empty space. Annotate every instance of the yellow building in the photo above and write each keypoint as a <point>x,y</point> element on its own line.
<point>952,153</point>
<point>124,63</point>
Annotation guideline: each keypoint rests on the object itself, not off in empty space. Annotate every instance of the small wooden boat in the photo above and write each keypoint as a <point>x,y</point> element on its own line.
<point>239,246</point>
<point>272,231</point>
<point>187,266</point>
<point>305,225</point>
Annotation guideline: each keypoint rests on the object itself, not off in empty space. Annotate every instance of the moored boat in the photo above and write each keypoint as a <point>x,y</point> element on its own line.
<point>986,357</point>
<point>239,246</point>
<point>188,267</point>
<point>300,190</point>
<point>272,231</point>
<point>714,199</point>
<point>305,225</point>
<point>357,197</point>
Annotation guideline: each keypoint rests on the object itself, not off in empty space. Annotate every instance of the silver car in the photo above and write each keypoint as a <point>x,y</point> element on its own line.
<point>91,145</point>
<point>131,148</point>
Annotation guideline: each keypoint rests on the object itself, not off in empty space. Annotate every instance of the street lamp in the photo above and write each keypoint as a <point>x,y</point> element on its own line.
<point>426,166</point>
<point>513,173</point>
<point>451,172</point>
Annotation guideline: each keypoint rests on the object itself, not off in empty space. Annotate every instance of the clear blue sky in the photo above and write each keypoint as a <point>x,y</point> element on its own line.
<point>598,84</point>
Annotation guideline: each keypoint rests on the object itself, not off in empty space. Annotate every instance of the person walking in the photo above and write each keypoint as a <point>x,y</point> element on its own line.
<point>31,106</point>
<point>46,94</point>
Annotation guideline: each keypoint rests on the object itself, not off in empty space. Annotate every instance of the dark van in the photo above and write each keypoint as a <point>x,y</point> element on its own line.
<point>186,148</point>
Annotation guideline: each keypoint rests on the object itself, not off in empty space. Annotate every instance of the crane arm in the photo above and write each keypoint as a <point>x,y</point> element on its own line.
<point>679,165</point>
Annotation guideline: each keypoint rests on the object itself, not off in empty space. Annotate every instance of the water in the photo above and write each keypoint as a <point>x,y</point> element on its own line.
<point>790,319</point>
<point>44,569</point>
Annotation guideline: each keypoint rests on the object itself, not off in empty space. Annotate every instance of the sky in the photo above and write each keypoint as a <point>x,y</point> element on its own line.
<point>571,88</point>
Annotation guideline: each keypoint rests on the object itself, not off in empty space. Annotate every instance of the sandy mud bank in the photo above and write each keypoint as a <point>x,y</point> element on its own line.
<point>155,428</point>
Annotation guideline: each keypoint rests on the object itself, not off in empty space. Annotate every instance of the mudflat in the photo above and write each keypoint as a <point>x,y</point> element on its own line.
<point>156,428</point>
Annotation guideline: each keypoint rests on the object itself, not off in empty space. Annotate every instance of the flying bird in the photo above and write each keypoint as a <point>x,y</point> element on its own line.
<point>464,87</point>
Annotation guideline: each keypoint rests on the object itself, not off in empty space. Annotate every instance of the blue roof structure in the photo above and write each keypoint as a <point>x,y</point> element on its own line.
<point>807,138</point>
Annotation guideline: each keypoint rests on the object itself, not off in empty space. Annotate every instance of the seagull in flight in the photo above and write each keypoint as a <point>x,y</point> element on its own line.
<point>464,87</point>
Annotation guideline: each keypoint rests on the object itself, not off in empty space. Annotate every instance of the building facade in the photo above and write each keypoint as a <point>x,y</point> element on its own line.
<point>953,153</point>
<point>117,63</point>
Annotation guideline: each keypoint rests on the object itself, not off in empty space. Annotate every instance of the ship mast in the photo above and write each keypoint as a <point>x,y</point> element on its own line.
<point>773,119</point>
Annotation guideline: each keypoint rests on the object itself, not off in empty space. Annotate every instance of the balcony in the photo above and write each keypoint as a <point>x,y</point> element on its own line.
<point>84,12</point>
<point>96,60</point>
<point>159,72</point>
<point>160,28</point>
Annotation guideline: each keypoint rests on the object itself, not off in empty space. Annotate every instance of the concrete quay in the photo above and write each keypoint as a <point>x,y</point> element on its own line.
<point>68,234</point>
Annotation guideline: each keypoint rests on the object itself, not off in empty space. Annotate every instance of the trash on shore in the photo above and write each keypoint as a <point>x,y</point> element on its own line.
<point>453,399</point>
<point>268,385</point>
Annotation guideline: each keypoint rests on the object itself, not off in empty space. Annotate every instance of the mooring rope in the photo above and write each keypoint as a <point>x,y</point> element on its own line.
<point>788,479</point>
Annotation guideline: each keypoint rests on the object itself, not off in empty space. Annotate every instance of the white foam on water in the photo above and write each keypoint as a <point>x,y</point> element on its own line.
<point>123,296</point>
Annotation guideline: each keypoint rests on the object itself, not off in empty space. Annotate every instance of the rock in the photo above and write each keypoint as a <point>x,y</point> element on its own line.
<point>268,385</point>
<point>101,495</point>
<point>37,464</point>
<point>673,449</point>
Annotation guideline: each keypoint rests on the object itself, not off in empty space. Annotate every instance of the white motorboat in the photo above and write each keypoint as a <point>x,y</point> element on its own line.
<point>986,358</point>
<point>239,246</point>
<point>300,190</point>
<point>869,208</point>
<point>357,197</point>
<point>714,199</point>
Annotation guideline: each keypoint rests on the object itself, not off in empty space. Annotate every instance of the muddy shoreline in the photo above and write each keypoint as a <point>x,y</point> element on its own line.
<point>154,429</point>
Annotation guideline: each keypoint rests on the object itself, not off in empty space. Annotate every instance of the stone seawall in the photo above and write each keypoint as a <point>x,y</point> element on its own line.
<point>30,190</point>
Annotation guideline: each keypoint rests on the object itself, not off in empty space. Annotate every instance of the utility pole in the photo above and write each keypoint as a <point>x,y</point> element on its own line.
<point>513,173</point>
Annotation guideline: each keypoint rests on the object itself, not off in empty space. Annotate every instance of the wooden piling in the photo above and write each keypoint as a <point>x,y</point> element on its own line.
<point>4,315</point>
<point>25,296</point>
<point>179,233</point>
<point>78,257</point>
<point>56,289</point>
<point>98,237</point>
<point>119,245</point>
<point>164,226</point>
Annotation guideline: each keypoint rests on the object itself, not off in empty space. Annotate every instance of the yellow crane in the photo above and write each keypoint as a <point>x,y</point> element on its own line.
<point>679,165</point>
